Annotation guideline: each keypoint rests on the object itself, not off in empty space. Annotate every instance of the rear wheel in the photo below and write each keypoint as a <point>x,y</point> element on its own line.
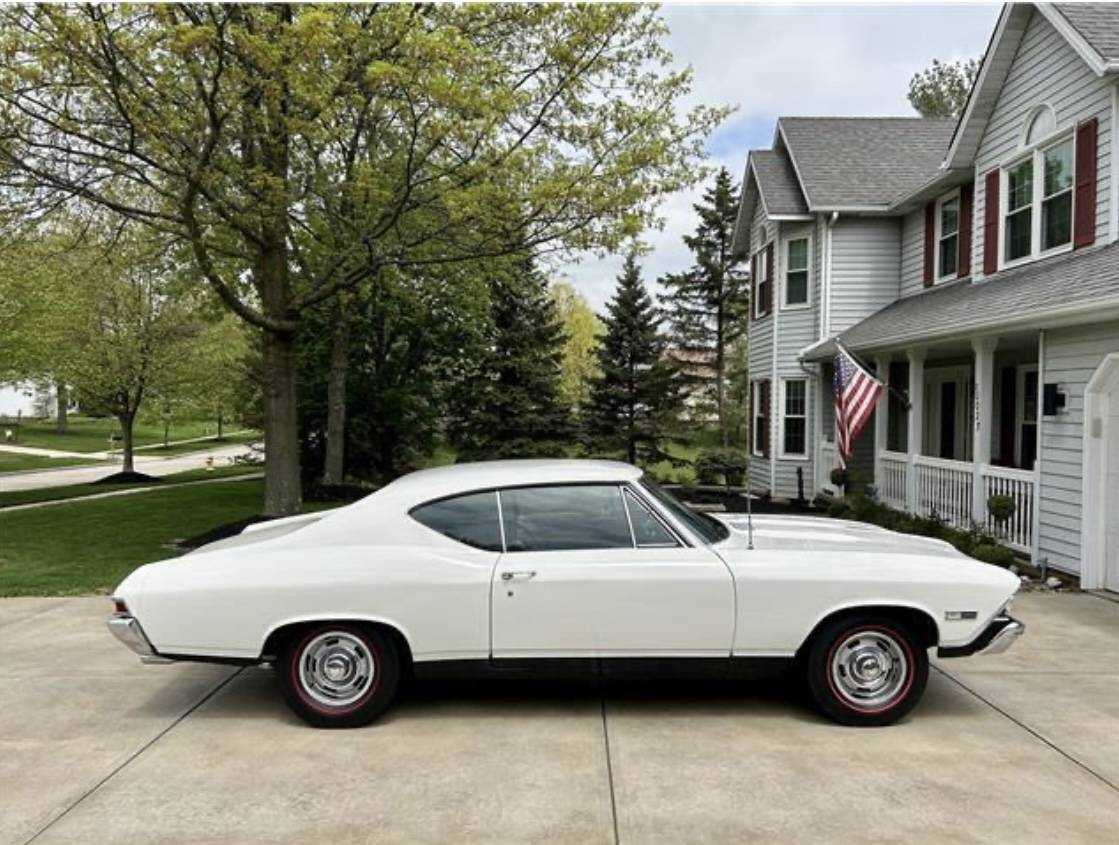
<point>866,670</point>
<point>339,675</point>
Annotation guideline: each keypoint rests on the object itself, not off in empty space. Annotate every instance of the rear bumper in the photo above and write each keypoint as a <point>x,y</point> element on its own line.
<point>996,638</point>
<point>126,629</point>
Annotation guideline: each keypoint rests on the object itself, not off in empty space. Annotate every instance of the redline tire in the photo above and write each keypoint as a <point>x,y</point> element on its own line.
<point>338,674</point>
<point>866,670</point>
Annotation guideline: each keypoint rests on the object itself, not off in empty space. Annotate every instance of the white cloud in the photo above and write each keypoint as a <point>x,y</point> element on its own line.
<point>789,60</point>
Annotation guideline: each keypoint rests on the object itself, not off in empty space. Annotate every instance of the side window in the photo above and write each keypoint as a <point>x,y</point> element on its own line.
<point>547,519</point>
<point>647,529</point>
<point>471,519</point>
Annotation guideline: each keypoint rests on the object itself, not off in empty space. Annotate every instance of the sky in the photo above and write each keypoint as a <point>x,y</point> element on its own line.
<point>770,60</point>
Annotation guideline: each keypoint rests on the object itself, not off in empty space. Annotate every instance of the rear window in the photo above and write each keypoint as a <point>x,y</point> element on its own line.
<point>471,519</point>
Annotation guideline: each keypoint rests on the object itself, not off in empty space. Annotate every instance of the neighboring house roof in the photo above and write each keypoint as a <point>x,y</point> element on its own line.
<point>1084,281</point>
<point>1097,24</point>
<point>777,182</point>
<point>863,162</point>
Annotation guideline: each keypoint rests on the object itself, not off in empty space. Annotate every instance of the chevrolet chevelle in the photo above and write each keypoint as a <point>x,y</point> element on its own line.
<point>523,566</point>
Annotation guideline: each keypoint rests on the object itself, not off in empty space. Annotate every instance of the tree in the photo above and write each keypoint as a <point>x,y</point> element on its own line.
<point>942,89</point>
<point>582,330</point>
<point>707,305</point>
<point>510,404</point>
<point>637,398</point>
<point>300,150</point>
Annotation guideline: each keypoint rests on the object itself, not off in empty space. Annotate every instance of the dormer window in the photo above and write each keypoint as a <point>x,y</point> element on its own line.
<point>948,236</point>
<point>1038,194</point>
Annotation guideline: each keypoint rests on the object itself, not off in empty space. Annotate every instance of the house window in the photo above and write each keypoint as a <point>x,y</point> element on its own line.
<point>794,418</point>
<point>1038,217</point>
<point>796,272</point>
<point>758,402</point>
<point>761,289</point>
<point>948,236</point>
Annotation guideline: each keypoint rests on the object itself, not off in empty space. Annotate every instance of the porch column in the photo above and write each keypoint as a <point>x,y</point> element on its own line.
<point>915,420</point>
<point>881,418</point>
<point>984,417</point>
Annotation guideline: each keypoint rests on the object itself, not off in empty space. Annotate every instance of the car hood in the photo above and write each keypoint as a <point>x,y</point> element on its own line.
<point>816,534</point>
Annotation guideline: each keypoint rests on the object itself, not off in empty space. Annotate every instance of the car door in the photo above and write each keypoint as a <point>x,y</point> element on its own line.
<point>590,570</point>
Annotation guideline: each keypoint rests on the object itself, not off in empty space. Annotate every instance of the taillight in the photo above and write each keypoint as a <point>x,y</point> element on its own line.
<point>120,607</point>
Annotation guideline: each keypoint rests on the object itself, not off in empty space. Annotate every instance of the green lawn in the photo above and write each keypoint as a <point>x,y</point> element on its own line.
<point>71,491</point>
<point>88,547</point>
<point>14,462</point>
<point>89,434</point>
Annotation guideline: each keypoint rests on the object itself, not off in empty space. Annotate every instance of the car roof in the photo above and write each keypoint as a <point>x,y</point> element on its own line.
<point>426,484</point>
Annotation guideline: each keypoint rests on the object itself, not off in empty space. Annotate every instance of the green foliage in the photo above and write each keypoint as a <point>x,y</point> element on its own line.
<point>1001,508</point>
<point>708,303</point>
<point>839,476</point>
<point>582,331</point>
<point>993,553</point>
<point>637,399</point>
<point>941,90</point>
<point>509,404</point>
<point>725,466</point>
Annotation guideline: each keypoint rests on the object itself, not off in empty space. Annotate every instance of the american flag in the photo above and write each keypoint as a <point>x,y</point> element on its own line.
<point>856,392</point>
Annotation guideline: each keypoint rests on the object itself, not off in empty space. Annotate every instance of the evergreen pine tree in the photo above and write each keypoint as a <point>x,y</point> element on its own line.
<point>637,397</point>
<point>510,405</point>
<point>707,305</point>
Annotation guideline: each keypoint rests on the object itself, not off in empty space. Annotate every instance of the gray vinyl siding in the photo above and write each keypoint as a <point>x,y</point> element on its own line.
<point>865,265</point>
<point>913,252</point>
<point>1045,70</point>
<point>1071,357</point>
<point>762,230</point>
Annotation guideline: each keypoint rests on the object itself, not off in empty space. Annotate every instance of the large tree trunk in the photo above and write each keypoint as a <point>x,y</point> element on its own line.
<point>283,495</point>
<point>334,468</point>
<point>62,399</point>
<point>125,421</point>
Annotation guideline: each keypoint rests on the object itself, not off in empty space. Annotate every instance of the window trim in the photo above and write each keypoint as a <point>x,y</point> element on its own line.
<point>782,454</point>
<point>763,276</point>
<point>627,494</point>
<point>1036,153</point>
<point>938,275</point>
<point>786,242</point>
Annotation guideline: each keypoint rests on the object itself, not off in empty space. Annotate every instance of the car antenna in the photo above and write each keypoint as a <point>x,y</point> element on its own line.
<point>749,510</point>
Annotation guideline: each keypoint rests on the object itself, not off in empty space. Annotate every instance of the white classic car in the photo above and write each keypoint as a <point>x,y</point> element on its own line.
<point>514,566</point>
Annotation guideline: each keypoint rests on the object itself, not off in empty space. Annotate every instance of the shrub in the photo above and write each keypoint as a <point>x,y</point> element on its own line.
<point>993,553</point>
<point>839,509</point>
<point>725,465</point>
<point>838,477</point>
<point>1001,508</point>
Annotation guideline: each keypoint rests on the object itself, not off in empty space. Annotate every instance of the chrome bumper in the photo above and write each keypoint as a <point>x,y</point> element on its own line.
<point>126,629</point>
<point>996,638</point>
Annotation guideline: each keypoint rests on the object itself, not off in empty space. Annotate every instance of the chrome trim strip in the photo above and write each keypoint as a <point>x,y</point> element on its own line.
<point>128,631</point>
<point>1004,639</point>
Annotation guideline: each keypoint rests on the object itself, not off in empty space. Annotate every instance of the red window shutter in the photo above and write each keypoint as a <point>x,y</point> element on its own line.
<point>930,243</point>
<point>991,223</point>
<point>963,263</point>
<point>1084,198</point>
<point>766,414</point>
<point>769,278</point>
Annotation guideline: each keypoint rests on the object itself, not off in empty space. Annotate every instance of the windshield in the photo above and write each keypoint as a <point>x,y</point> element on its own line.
<point>706,527</point>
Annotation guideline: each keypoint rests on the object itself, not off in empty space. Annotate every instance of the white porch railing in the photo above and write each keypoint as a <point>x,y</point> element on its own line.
<point>893,485</point>
<point>1018,484</point>
<point>945,488</point>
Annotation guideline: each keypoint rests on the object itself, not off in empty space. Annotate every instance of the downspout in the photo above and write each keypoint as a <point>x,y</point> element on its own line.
<point>825,318</point>
<point>775,384</point>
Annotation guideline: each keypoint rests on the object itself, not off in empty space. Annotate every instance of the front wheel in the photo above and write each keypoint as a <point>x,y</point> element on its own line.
<point>339,675</point>
<point>866,670</point>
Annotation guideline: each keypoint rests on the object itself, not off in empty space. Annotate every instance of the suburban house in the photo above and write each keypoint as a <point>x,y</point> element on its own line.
<point>972,265</point>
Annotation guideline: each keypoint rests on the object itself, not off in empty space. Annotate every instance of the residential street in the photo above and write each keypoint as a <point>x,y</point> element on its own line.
<point>96,748</point>
<point>144,463</point>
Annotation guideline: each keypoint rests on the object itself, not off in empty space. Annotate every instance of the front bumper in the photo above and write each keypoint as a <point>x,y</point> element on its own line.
<point>126,629</point>
<point>996,638</point>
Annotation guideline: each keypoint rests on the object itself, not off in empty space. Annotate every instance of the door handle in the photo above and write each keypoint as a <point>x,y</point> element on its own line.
<point>524,574</point>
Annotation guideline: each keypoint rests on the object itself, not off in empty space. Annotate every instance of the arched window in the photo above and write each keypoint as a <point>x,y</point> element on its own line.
<point>1041,122</point>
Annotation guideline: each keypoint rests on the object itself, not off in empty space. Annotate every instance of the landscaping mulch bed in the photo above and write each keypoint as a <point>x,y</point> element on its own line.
<point>128,478</point>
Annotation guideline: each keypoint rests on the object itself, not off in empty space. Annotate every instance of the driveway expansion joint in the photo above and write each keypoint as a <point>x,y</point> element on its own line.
<point>610,772</point>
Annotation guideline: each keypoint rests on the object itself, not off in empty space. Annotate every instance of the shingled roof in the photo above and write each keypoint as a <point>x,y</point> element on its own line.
<point>864,162</point>
<point>1084,279</point>
<point>1097,23</point>
<point>777,182</point>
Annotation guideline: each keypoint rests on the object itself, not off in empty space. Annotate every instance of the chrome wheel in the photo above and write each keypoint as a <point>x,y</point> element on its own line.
<point>869,669</point>
<point>336,668</point>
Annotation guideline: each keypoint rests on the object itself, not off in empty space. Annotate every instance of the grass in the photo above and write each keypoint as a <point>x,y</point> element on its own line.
<point>71,491</point>
<point>91,434</point>
<point>90,546</point>
<point>15,462</point>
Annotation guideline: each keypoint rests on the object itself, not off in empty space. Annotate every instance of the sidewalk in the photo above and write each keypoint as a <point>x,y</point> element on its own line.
<point>105,455</point>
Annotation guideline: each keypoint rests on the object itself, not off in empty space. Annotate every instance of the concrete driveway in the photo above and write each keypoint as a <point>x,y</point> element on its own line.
<point>94,748</point>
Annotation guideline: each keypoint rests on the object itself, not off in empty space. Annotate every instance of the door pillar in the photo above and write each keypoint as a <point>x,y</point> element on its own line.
<point>983,413</point>
<point>881,417</point>
<point>915,420</point>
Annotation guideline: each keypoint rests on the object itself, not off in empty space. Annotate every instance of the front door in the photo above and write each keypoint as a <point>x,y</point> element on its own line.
<point>590,571</point>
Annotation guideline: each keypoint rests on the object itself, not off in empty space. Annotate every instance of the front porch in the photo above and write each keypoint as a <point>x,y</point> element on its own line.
<point>974,415</point>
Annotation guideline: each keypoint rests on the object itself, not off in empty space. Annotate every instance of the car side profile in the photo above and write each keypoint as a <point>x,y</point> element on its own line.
<point>512,566</point>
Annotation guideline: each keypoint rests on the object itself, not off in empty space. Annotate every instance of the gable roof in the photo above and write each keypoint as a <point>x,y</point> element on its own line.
<point>1096,23</point>
<point>777,182</point>
<point>1084,281</point>
<point>863,163</point>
